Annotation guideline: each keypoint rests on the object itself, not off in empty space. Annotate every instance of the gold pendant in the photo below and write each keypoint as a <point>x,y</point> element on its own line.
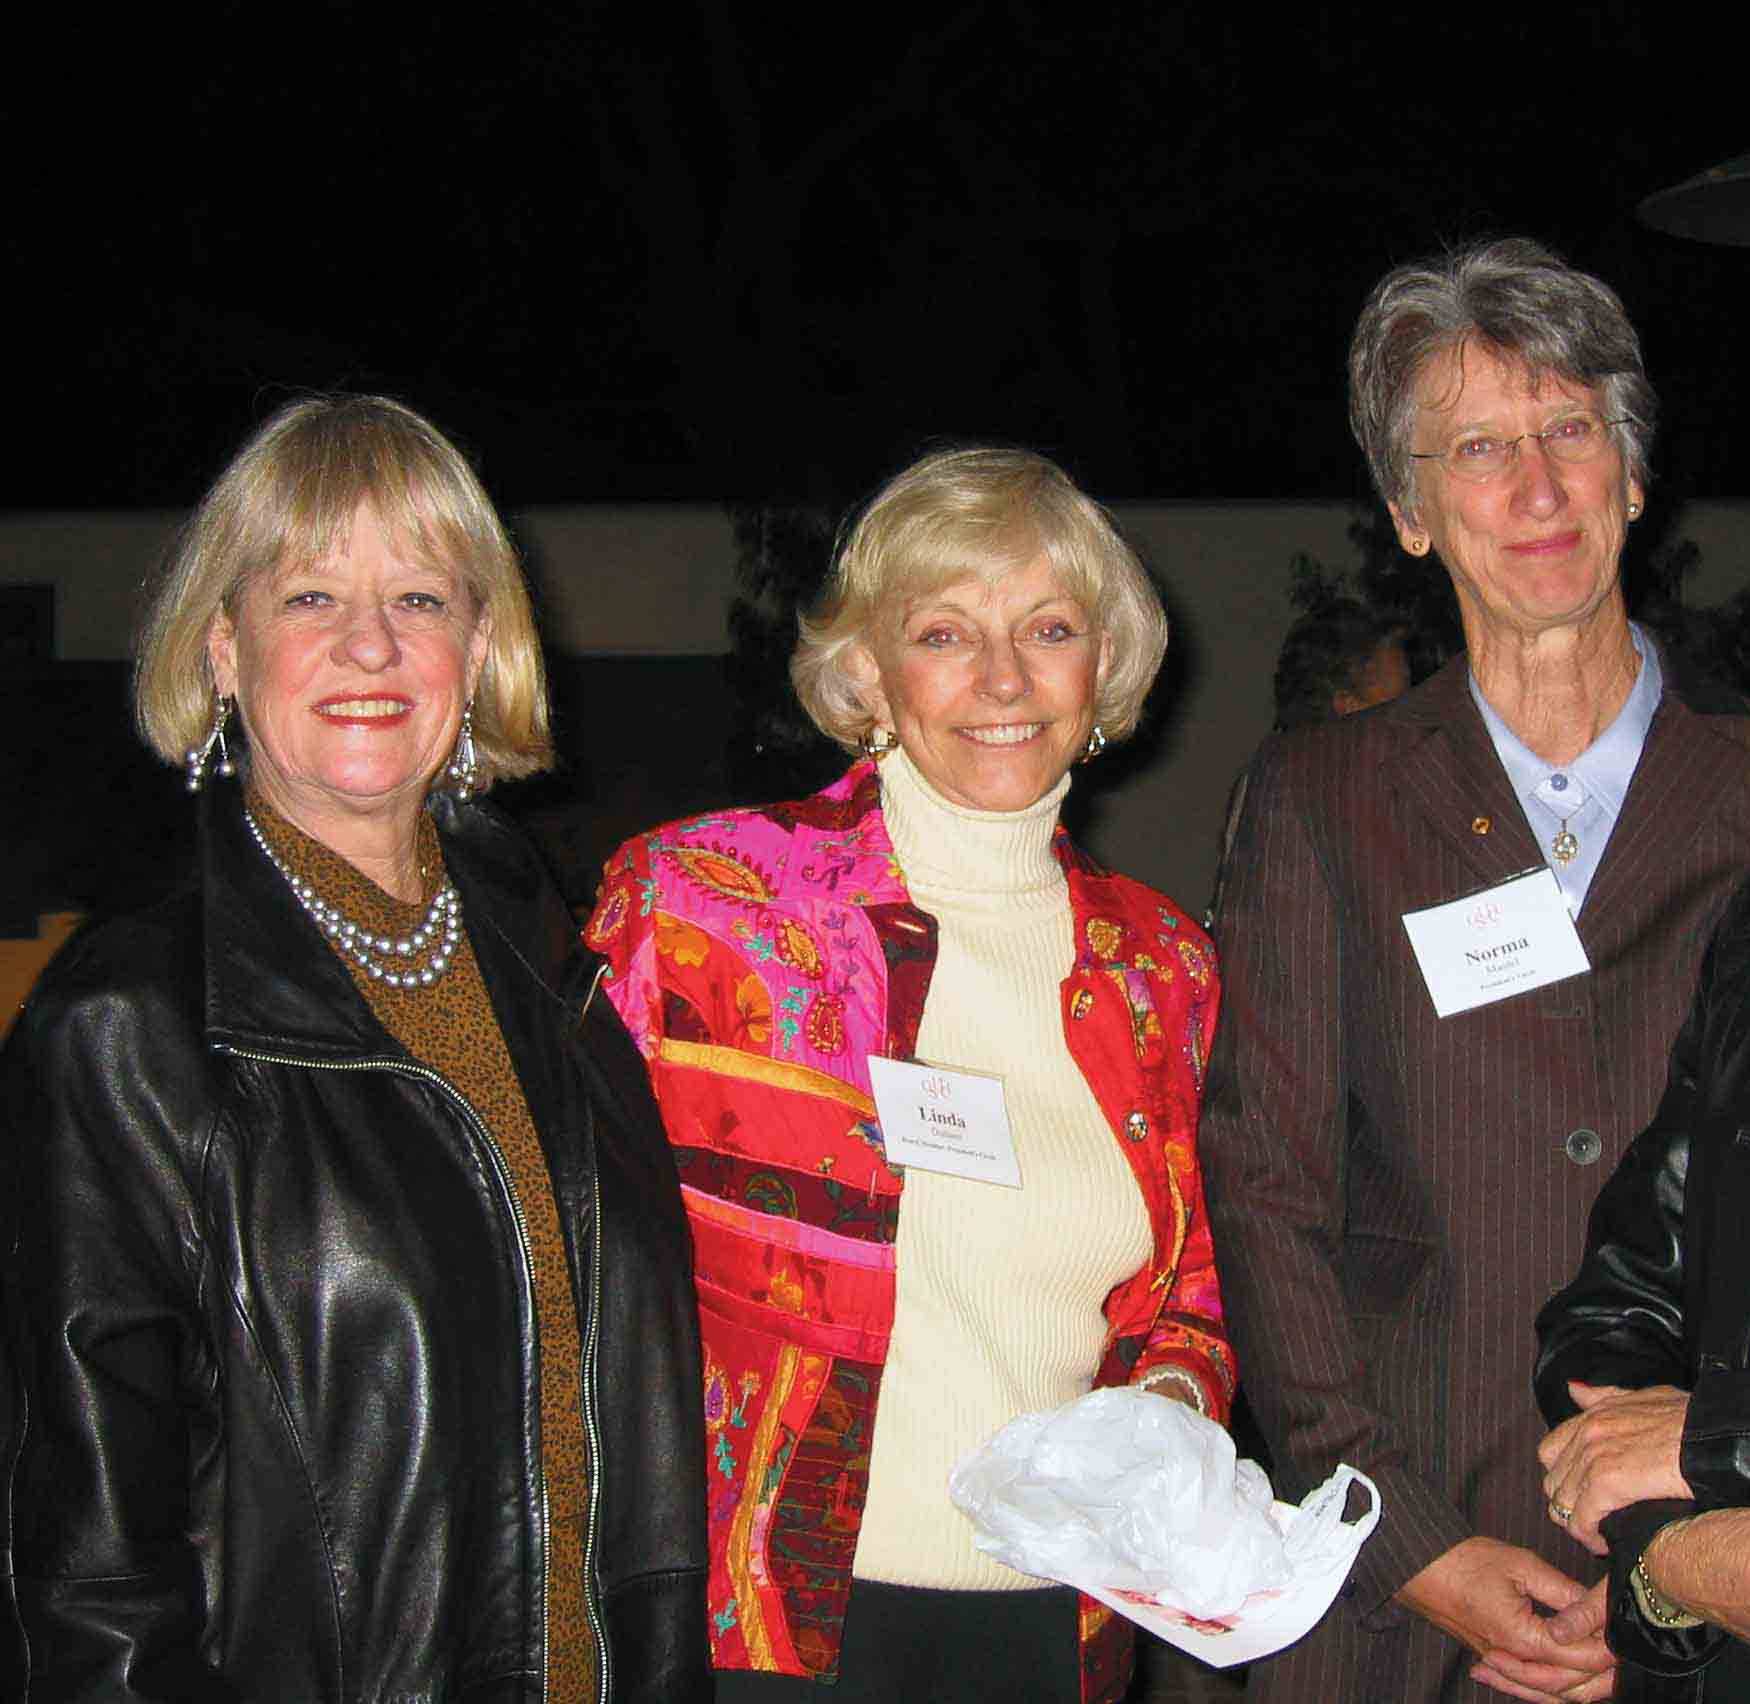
<point>1565,846</point>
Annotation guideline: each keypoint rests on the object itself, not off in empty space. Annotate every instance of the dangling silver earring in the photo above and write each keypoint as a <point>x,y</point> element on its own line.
<point>876,743</point>
<point>464,768</point>
<point>195,759</point>
<point>1096,743</point>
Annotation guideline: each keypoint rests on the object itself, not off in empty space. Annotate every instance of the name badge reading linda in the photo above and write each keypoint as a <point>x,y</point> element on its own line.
<point>944,1121</point>
<point>1492,945</point>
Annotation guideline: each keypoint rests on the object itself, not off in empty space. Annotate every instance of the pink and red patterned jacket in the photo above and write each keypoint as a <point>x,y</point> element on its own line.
<point>759,958</point>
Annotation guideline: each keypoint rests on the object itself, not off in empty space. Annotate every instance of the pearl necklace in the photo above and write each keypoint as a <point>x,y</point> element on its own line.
<point>442,917</point>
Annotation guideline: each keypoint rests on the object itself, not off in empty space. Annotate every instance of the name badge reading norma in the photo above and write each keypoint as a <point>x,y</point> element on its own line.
<point>944,1121</point>
<point>1492,945</point>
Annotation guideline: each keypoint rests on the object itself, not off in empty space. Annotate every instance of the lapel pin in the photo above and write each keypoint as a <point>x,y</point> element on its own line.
<point>1481,825</point>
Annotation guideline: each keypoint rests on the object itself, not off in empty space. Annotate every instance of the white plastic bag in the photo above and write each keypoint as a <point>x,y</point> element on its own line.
<point>1140,1502</point>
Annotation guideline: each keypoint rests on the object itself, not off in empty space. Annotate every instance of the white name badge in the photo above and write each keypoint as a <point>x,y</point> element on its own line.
<point>945,1121</point>
<point>1492,945</point>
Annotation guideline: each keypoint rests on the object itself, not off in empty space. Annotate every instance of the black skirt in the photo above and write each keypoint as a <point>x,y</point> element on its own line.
<point>909,1645</point>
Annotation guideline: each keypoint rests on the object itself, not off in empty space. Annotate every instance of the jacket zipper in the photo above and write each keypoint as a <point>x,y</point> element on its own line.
<point>593,1431</point>
<point>406,1068</point>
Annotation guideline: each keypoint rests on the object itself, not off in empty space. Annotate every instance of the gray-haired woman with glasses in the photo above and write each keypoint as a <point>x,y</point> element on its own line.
<point>1459,933</point>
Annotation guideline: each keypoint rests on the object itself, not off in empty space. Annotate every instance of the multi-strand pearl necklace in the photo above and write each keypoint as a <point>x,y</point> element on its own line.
<point>434,941</point>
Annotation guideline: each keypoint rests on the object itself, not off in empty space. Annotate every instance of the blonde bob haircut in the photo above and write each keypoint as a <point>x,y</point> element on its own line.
<point>290,495</point>
<point>976,513</point>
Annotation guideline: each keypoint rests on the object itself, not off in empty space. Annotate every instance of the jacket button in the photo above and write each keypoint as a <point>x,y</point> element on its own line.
<point>1583,1147</point>
<point>1136,1127</point>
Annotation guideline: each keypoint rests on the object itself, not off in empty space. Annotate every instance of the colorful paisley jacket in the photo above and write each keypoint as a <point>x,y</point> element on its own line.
<point>759,958</point>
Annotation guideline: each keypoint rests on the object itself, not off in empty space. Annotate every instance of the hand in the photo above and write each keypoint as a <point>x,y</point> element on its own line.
<point>1488,1595</point>
<point>1622,1447</point>
<point>1580,1624</point>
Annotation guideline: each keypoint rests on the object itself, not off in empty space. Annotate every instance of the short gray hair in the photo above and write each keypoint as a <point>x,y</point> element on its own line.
<point>1511,296</point>
<point>980,513</point>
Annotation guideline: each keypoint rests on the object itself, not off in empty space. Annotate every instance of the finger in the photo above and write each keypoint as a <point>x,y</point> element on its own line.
<point>1573,1458</point>
<point>1486,1674</point>
<point>1530,1656</point>
<point>1590,1395</point>
<point>1582,1620</point>
<point>1599,1686</point>
<point>1554,1677</point>
<point>1537,1580</point>
<point>1584,1506</point>
<point>1559,1503</point>
<point>1555,1441</point>
<point>1589,1656</point>
<point>1583,1526</point>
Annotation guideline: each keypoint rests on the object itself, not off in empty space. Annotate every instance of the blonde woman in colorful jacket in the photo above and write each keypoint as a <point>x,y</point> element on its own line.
<point>867,1322</point>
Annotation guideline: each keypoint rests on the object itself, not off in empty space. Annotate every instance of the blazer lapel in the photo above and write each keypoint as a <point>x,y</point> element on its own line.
<point>1452,778</point>
<point>1684,771</point>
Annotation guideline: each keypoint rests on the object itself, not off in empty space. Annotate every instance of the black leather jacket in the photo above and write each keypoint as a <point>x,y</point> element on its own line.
<point>1663,1297</point>
<point>270,1423</point>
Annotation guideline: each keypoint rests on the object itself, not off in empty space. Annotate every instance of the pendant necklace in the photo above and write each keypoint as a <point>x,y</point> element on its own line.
<point>1565,846</point>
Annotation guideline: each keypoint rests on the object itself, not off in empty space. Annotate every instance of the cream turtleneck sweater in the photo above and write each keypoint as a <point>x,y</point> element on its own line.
<point>999,1290</point>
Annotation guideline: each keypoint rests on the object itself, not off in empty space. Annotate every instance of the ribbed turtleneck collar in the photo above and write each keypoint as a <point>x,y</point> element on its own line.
<point>994,857</point>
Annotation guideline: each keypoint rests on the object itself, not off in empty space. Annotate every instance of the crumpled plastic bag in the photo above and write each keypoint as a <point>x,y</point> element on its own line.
<point>1141,1502</point>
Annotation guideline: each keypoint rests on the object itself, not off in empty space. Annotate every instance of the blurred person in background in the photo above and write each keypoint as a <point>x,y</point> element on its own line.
<point>1336,659</point>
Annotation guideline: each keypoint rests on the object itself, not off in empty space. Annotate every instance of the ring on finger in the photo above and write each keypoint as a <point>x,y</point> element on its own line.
<point>1560,1513</point>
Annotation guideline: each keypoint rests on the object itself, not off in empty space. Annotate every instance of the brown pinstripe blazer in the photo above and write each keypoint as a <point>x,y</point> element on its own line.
<point>1393,1194</point>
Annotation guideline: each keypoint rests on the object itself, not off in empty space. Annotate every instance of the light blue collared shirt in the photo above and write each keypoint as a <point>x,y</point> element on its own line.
<point>1583,797</point>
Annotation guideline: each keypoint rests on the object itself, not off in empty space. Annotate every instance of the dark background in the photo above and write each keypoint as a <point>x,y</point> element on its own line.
<point>718,251</point>
<point>756,255</point>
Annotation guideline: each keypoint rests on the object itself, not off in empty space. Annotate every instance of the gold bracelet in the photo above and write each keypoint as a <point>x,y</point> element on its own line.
<point>1654,1604</point>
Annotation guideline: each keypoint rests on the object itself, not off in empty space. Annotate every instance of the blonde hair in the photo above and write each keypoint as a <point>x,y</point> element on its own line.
<point>290,494</point>
<point>976,513</point>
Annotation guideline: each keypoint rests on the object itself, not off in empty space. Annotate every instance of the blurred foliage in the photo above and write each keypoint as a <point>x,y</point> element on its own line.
<point>782,555</point>
<point>1416,594</point>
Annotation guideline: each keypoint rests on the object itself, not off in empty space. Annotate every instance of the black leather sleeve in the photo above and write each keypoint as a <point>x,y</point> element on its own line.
<point>1620,1321</point>
<point>1716,1436</point>
<point>1663,1294</point>
<point>104,1349</point>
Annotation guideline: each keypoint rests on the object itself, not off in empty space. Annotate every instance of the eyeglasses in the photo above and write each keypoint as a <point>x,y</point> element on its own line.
<point>1478,458</point>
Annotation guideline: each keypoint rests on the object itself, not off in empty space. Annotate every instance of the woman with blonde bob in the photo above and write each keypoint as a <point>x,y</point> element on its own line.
<point>868,1319</point>
<point>345,1274</point>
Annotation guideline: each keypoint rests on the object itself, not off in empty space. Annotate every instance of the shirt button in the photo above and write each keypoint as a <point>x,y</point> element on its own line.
<point>1583,1147</point>
<point>1559,783</point>
<point>1136,1127</point>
